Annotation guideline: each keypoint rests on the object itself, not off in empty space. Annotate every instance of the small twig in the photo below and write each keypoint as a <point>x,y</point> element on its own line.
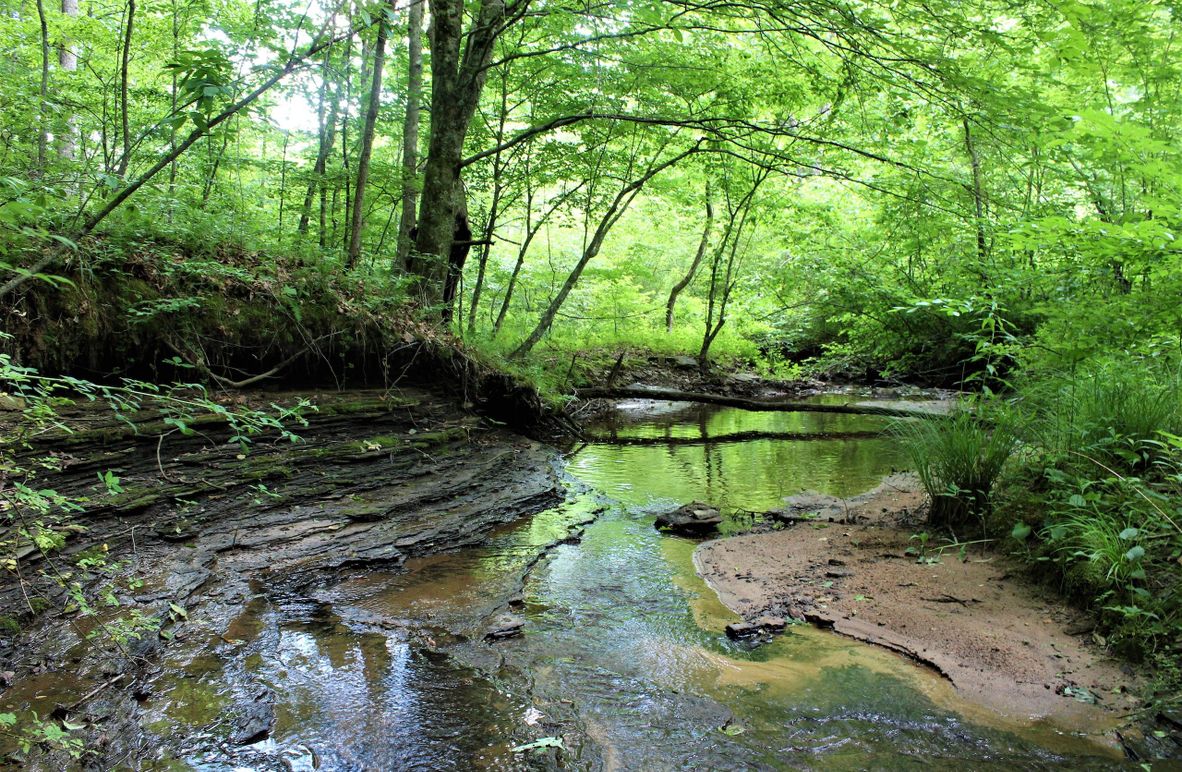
<point>1140,492</point>
<point>946,598</point>
<point>160,463</point>
<point>74,705</point>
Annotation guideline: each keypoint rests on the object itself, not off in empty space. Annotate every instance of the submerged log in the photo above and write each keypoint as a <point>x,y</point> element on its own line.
<point>746,403</point>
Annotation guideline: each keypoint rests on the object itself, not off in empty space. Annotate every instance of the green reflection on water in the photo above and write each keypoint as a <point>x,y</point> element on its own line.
<point>756,475</point>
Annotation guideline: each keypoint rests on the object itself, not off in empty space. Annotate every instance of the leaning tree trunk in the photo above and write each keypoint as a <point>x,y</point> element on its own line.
<point>680,286</point>
<point>719,296</point>
<point>132,187</point>
<point>615,211</point>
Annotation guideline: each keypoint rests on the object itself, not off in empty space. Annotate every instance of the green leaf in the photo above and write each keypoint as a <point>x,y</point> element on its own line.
<point>1129,533</point>
<point>1080,694</point>
<point>1136,553</point>
<point>1020,531</point>
<point>539,744</point>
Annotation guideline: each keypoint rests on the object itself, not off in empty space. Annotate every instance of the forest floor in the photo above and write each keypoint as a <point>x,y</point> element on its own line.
<point>977,618</point>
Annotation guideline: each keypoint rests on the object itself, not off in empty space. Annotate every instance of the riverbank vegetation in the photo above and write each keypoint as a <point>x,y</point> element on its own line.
<point>983,196</point>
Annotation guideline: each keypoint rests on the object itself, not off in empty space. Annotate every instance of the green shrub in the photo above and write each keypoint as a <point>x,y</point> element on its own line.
<point>1111,412</point>
<point>958,460</point>
<point>1104,473</point>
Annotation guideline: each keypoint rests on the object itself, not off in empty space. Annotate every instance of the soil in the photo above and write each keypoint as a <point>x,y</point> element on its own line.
<point>976,619</point>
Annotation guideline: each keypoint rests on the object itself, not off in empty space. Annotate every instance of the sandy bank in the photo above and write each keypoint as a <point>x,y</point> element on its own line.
<point>1002,642</point>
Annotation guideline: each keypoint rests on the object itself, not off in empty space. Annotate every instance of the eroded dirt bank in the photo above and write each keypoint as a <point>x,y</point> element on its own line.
<point>842,564</point>
<point>377,478</point>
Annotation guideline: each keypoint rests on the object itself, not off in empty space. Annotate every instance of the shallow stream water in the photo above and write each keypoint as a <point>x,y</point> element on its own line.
<point>623,657</point>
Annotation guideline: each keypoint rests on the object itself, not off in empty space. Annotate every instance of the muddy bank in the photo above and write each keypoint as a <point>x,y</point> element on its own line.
<point>843,564</point>
<point>205,533</point>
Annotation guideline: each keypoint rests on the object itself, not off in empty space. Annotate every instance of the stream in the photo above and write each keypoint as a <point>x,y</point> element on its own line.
<point>623,657</point>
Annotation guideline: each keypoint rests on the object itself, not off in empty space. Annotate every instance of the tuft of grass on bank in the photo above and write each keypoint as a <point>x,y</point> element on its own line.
<point>1081,474</point>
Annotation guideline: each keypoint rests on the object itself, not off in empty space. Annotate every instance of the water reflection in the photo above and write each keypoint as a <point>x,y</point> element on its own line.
<point>753,475</point>
<point>623,654</point>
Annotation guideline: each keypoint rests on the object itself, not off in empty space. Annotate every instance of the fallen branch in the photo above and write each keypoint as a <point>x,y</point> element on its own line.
<point>732,437</point>
<point>746,403</point>
<point>227,383</point>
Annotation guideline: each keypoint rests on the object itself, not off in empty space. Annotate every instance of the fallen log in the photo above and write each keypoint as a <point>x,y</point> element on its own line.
<point>746,403</point>
<point>607,439</point>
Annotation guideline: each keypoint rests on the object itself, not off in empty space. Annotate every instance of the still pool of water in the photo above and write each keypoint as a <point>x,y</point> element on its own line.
<point>624,655</point>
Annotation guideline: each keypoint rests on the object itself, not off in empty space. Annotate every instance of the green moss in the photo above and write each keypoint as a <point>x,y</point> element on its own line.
<point>380,442</point>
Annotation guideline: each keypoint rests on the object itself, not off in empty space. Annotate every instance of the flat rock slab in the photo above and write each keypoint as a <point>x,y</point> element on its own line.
<point>764,626</point>
<point>694,519</point>
<point>505,626</point>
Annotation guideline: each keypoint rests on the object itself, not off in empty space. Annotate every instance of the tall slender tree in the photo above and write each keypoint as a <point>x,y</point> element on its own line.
<point>367,131</point>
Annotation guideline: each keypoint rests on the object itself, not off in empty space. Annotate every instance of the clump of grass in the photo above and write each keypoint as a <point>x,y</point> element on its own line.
<point>958,459</point>
<point>1113,412</point>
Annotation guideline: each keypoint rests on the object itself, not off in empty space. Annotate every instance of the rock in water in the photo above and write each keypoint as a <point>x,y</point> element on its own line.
<point>257,720</point>
<point>505,626</point>
<point>764,628</point>
<point>738,630</point>
<point>695,519</point>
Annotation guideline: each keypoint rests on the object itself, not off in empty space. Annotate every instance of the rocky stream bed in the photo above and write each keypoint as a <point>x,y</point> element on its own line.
<point>411,586</point>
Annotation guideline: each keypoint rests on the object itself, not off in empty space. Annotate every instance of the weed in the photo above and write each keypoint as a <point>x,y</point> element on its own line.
<point>958,460</point>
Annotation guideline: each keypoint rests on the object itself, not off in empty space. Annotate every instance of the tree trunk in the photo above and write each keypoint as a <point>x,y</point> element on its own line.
<point>212,174</point>
<point>176,34</point>
<point>495,206</point>
<point>410,133</point>
<point>456,84</point>
<point>720,295</point>
<point>124,65</point>
<point>367,131</point>
<point>978,198</point>
<point>68,61</point>
<point>43,95</point>
<point>703,245</point>
<point>457,253</point>
<point>133,187</point>
<point>328,130</point>
<point>282,180</point>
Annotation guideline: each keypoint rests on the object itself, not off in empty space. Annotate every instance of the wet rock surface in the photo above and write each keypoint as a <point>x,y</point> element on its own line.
<point>505,626</point>
<point>695,519</point>
<point>763,627</point>
<point>205,531</point>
